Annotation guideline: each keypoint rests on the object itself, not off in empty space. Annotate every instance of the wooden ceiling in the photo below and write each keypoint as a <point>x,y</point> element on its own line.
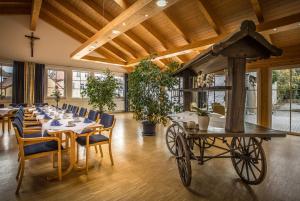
<point>176,32</point>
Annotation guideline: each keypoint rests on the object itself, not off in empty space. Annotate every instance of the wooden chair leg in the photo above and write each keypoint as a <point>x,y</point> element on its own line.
<point>18,173</point>
<point>9,124</point>
<point>110,154</point>
<point>3,125</point>
<point>101,152</point>
<point>22,162</point>
<point>77,153</point>
<point>96,149</point>
<point>53,160</point>
<point>87,151</point>
<point>19,157</point>
<point>59,171</point>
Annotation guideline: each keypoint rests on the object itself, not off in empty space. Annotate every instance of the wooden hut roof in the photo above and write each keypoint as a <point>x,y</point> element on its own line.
<point>215,57</point>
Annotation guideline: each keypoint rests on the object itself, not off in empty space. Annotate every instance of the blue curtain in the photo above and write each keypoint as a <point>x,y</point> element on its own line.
<point>18,82</point>
<point>39,83</point>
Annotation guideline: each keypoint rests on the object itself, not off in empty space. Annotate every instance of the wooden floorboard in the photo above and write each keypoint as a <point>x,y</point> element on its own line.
<point>145,170</point>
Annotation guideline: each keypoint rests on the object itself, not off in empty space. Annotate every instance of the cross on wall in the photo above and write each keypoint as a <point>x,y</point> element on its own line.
<point>32,38</point>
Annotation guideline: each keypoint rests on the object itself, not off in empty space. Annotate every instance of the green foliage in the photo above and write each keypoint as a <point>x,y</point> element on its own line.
<point>287,80</point>
<point>173,66</point>
<point>56,94</point>
<point>101,91</point>
<point>147,92</point>
<point>201,112</point>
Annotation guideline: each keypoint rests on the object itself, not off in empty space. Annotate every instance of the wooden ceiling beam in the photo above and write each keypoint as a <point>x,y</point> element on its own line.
<point>131,17</point>
<point>35,12</point>
<point>55,21</point>
<point>101,60</point>
<point>207,13</point>
<point>122,3</point>
<point>115,47</point>
<point>177,26</point>
<point>129,35</point>
<point>264,28</point>
<point>258,11</point>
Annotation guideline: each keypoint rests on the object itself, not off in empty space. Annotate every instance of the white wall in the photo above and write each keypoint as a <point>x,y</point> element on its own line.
<point>54,47</point>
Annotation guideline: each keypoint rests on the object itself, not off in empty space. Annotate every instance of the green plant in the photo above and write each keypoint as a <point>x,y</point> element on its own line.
<point>101,91</point>
<point>147,92</point>
<point>200,112</point>
<point>57,95</point>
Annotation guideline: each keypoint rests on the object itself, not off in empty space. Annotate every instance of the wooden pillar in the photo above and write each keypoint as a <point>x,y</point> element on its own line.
<point>237,95</point>
<point>264,90</point>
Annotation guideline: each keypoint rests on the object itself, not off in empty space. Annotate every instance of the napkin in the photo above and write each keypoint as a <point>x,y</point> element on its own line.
<point>46,116</point>
<point>55,123</point>
<point>87,121</point>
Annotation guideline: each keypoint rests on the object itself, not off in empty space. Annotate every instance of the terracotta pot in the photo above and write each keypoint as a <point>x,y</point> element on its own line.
<point>203,122</point>
<point>148,128</point>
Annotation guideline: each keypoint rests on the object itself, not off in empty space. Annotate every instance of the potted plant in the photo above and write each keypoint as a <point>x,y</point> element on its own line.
<point>147,92</point>
<point>203,119</point>
<point>101,91</point>
<point>57,95</point>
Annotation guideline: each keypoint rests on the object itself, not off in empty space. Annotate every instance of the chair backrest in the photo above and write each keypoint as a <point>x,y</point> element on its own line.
<point>70,107</point>
<point>93,115</point>
<point>1,105</point>
<point>82,112</point>
<point>64,106</point>
<point>107,120</point>
<point>19,127</point>
<point>75,109</point>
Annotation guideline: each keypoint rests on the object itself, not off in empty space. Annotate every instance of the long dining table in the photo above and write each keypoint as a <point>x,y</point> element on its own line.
<point>69,126</point>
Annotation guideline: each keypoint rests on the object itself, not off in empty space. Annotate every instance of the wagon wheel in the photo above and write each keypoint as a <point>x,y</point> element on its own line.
<point>171,133</point>
<point>248,159</point>
<point>209,141</point>
<point>183,160</point>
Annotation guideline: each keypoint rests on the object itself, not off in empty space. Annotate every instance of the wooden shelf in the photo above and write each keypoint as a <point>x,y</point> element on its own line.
<point>216,88</point>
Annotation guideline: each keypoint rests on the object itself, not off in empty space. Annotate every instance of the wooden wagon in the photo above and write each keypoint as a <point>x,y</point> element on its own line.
<point>240,141</point>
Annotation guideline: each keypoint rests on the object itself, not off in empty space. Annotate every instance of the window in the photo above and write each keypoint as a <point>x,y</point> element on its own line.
<point>251,97</point>
<point>120,79</point>
<point>78,83</point>
<point>121,88</point>
<point>56,78</point>
<point>286,99</point>
<point>6,72</point>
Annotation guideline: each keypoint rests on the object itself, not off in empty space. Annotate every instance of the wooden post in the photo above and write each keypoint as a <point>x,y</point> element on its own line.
<point>237,95</point>
<point>264,97</point>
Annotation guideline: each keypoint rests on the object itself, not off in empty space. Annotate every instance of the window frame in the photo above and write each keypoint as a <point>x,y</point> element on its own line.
<point>65,83</point>
<point>7,98</point>
<point>80,71</point>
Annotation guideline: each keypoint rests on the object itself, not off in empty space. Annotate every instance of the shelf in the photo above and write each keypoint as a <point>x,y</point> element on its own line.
<point>217,88</point>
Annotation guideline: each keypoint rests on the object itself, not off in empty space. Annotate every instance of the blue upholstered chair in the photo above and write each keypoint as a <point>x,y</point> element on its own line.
<point>69,108</point>
<point>96,137</point>
<point>93,115</point>
<point>82,112</point>
<point>75,110</point>
<point>64,106</point>
<point>32,146</point>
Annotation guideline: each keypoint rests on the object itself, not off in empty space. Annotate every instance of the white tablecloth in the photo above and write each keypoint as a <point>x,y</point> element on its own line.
<point>63,119</point>
<point>5,111</point>
<point>216,120</point>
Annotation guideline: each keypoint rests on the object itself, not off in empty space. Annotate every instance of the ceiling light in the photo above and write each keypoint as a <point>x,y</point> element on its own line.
<point>115,32</point>
<point>161,3</point>
<point>275,29</point>
<point>124,24</point>
<point>146,15</point>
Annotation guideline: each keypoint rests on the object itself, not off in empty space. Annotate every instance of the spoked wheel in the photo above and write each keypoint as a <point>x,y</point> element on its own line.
<point>183,160</point>
<point>172,131</point>
<point>248,159</point>
<point>209,141</point>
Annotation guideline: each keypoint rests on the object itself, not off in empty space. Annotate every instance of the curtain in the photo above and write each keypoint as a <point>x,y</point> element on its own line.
<point>18,82</point>
<point>39,83</point>
<point>29,82</point>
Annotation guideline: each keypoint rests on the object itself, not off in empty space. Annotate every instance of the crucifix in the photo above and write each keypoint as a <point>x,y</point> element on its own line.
<point>32,38</point>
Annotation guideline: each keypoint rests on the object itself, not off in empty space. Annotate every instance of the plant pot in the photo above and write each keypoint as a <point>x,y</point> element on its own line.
<point>203,122</point>
<point>148,128</point>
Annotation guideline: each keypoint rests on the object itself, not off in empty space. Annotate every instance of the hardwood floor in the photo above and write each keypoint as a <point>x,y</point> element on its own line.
<point>144,170</point>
